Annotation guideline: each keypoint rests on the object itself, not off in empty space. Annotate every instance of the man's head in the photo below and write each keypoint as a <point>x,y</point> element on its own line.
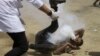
<point>77,42</point>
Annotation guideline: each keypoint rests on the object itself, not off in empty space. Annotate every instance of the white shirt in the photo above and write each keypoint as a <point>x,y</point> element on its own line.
<point>62,34</point>
<point>9,14</point>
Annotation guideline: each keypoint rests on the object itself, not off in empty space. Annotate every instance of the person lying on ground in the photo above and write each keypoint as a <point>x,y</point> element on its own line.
<point>47,44</point>
<point>71,45</point>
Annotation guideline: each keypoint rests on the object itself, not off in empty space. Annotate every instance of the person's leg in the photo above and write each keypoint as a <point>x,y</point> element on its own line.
<point>95,3</point>
<point>41,36</point>
<point>99,2</point>
<point>20,45</point>
<point>44,49</point>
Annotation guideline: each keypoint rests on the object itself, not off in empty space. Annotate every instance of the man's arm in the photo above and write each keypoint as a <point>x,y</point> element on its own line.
<point>45,9</point>
<point>61,48</point>
<point>40,5</point>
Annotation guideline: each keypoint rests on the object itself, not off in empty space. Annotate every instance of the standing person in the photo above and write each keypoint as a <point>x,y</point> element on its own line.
<point>10,23</point>
<point>96,2</point>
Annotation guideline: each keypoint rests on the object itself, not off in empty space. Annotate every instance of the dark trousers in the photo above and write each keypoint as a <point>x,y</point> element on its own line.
<point>41,42</point>
<point>20,45</point>
<point>95,2</point>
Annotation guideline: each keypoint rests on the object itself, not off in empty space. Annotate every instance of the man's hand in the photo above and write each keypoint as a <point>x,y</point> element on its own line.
<point>54,16</point>
<point>46,10</point>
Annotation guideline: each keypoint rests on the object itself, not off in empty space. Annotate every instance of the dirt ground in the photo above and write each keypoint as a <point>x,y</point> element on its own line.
<point>83,8</point>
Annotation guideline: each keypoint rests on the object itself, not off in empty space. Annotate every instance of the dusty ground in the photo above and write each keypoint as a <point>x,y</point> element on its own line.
<point>83,8</point>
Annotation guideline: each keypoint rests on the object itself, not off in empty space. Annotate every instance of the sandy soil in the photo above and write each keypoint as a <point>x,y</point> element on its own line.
<point>85,11</point>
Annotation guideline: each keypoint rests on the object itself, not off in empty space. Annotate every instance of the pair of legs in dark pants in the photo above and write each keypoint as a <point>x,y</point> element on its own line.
<point>41,39</point>
<point>20,45</point>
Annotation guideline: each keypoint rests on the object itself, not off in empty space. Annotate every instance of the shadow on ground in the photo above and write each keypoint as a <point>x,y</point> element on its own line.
<point>94,53</point>
<point>38,54</point>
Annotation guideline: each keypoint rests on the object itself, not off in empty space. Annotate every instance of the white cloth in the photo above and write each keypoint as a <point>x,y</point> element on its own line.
<point>62,34</point>
<point>36,3</point>
<point>10,16</point>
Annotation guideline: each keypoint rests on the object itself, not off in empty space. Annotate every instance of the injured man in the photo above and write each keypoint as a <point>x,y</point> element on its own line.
<point>57,40</point>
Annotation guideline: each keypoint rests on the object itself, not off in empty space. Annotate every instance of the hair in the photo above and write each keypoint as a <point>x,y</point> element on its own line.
<point>80,44</point>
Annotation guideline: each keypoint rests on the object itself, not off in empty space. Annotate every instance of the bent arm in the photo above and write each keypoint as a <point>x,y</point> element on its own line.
<point>40,5</point>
